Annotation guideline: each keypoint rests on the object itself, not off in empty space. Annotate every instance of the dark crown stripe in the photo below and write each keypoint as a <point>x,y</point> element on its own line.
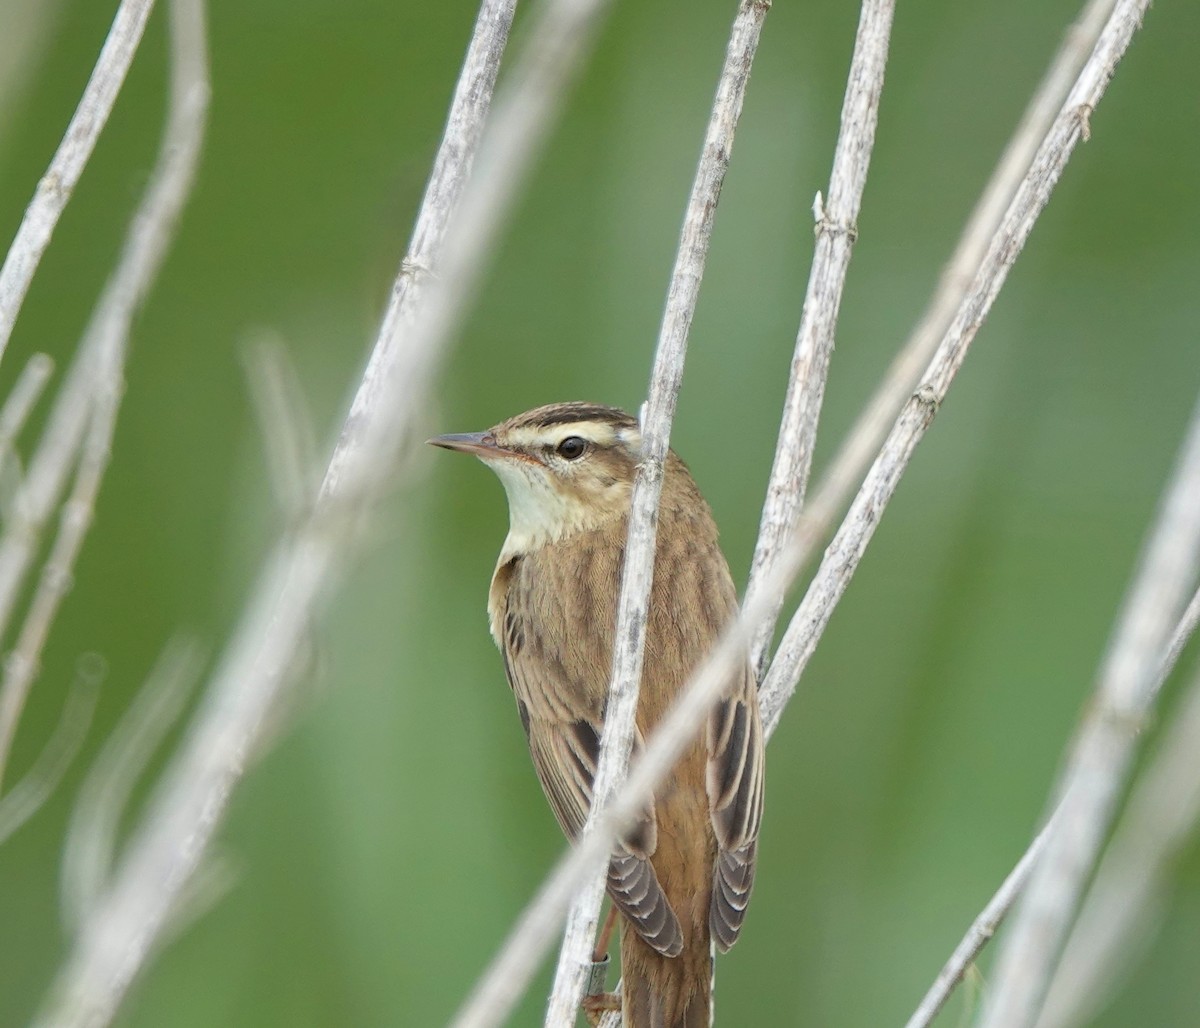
<point>568,413</point>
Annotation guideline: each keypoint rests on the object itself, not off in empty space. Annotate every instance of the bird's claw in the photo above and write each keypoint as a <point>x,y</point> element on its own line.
<point>599,1004</point>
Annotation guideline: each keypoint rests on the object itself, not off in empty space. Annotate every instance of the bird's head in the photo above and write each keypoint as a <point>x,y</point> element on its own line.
<point>566,467</point>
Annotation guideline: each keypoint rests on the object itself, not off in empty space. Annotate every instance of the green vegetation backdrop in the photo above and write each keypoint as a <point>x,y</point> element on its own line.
<point>386,844</point>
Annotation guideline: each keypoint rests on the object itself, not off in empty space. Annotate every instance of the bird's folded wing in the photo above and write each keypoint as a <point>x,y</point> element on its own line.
<point>565,755</point>
<point>735,796</point>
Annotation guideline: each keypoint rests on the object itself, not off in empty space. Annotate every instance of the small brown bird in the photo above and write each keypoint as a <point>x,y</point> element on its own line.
<point>682,875</point>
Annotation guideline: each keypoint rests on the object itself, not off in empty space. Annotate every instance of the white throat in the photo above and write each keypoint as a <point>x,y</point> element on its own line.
<point>538,513</point>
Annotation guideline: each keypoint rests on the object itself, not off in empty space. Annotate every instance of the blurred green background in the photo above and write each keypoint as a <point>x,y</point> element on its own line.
<point>386,844</point>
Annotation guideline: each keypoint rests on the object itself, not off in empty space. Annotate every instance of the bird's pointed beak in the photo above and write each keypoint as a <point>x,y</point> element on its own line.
<point>481,444</point>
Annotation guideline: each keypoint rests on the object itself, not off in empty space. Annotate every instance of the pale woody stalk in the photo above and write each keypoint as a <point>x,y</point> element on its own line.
<point>975,293</point>
<point>20,802</point>
<point>66,167</point>
<point>1079,43</point>
<point>836,230</point>
<point>60,441</point>
<point>288,437</point>
<point>655,423</point>
<point>1114,33</point>
<point>1183,632</point>
<point>18,405</point>
<point>120,924</point>
<point>41,485</point>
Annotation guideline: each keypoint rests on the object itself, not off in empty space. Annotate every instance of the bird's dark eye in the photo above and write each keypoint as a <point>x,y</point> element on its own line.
<point>572,448</point>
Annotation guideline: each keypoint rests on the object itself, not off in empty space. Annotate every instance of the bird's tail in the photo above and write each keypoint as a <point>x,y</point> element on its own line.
<point>665,992</point>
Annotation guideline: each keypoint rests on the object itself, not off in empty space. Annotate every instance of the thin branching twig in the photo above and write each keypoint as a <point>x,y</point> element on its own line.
<point>92,392</point>
<point>71,157</point>
<point>638,572</point>
<point>1100,757</point>
<point>836,231</point>
<point>23,663</point>
<point>40,487</point>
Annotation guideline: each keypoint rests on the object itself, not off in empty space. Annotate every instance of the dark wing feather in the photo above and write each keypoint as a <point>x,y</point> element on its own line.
<point>636,892</point>
<point>735,796</point>
<point>564,755</point>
